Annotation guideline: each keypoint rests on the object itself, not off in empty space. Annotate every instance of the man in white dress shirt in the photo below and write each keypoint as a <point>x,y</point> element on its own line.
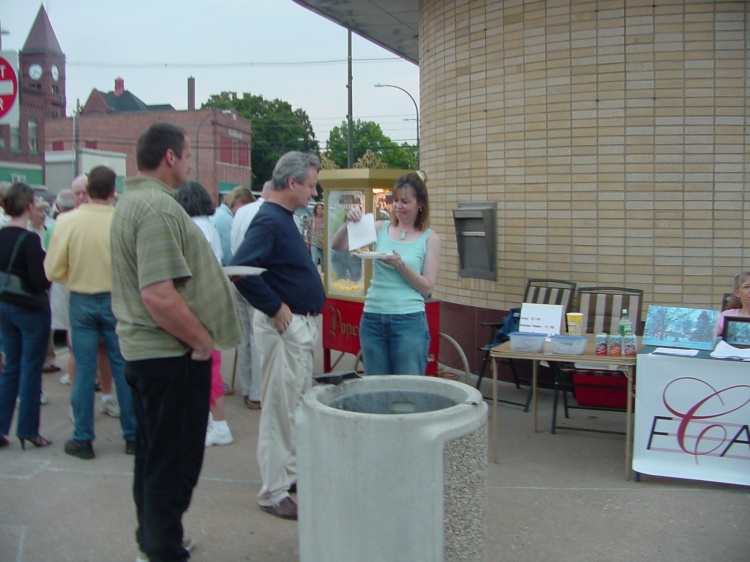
<point>249,359</point>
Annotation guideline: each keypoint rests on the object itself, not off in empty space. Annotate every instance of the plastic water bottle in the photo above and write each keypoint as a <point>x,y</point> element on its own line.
<point>625,327</point>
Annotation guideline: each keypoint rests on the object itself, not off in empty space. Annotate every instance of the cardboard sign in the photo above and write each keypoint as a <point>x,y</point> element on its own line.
<point>541,318</point>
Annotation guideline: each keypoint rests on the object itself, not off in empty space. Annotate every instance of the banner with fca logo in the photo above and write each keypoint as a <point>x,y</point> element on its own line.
<point>692,419</point>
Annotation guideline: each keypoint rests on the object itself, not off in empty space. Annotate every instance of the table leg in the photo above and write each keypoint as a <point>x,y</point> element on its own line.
<point>493,421</point>
<point>629,425</point>
<point>534,393</point>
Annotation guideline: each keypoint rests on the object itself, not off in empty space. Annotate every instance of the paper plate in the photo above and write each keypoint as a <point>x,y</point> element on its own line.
<point>371,255</point>
<point>242,270</point>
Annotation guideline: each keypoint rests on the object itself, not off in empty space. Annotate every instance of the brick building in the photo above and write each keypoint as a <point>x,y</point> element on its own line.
<point>612,136</point>
<point>41,76</point>
<point>113,121</point>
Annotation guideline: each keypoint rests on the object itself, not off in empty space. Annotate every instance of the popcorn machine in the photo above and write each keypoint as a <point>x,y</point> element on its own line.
<point>346,276</point>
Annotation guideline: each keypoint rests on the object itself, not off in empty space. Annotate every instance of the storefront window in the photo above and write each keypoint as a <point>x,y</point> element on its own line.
<point>33,138</point>
<point>15,139</point>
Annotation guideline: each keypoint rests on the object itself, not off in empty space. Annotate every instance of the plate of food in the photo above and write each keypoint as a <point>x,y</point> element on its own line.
<point>242,270</point>
<point>368,255</point>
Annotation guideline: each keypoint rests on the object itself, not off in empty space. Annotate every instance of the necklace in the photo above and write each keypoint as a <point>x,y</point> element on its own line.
<point>402,236</point>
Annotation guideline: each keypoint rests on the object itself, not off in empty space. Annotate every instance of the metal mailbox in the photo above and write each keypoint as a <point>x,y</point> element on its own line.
<point>476,239</point>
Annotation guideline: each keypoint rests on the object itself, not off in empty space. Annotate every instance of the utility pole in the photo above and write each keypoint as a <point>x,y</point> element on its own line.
<point>2,32</point>
<point>349,154</point>
<point>77,139</point>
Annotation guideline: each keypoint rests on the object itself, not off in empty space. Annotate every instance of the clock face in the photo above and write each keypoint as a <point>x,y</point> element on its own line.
<point>35,72</point>
<point>55,72</point>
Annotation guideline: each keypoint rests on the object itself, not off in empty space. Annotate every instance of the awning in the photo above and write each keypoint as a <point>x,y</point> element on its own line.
<point>392,24</point>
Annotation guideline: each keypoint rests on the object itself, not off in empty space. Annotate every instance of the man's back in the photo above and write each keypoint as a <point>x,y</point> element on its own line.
<point>80,253</point>
<point>154,240</point>
<point>241,222</point>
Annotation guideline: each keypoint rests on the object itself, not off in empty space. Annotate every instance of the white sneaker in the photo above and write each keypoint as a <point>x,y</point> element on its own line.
<point>65,379</point>
<point>111,408</point>
<point>218,434</point>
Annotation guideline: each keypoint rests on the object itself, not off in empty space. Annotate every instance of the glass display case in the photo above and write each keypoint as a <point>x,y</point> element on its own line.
<point>347,276</point>
<point>345,271</point>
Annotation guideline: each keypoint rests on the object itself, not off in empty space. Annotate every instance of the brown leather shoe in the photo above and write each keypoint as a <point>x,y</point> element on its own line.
<point>286,509</point>
<point>251,404</point>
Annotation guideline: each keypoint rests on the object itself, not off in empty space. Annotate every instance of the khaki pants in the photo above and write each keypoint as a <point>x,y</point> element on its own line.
<point>287,367</point>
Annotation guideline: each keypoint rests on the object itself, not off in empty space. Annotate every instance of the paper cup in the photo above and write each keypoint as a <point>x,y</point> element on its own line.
<point>575,323</point>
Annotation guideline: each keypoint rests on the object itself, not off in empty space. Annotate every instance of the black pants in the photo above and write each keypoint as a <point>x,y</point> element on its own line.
<point>170,399</point>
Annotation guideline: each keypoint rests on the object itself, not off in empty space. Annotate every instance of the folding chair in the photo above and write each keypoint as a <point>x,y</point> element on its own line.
<point>597,389</point>
<point>538,291</point>
<point>729,301</point>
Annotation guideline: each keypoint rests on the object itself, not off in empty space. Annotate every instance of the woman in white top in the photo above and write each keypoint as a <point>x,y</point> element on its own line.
<point>197,203</point>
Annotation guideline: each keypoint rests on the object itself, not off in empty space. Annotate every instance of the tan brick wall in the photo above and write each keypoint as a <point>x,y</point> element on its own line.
<point>613,135</point>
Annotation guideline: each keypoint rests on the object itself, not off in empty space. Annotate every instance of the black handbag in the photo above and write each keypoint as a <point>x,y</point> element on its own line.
<point>12,288</point>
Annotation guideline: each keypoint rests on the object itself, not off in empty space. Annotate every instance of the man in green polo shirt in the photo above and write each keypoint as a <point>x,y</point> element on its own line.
<point>173,306</point>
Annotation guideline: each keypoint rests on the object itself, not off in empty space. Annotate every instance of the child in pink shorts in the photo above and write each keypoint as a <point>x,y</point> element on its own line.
<point>218,432</point>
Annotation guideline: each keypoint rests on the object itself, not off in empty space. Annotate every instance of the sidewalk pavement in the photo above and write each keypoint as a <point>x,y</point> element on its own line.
<point>551,497</point>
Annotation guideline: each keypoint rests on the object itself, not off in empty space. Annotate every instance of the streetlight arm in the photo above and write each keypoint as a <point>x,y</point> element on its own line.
<point>416,109</point>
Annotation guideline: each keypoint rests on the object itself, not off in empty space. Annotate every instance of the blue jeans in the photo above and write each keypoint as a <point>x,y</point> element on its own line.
<point>91,319</point>
<point>317,255</point>
<point>394,344</point>
<point>25,334</point>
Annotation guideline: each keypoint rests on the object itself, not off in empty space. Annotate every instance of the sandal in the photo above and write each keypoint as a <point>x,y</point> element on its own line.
<point>251,404</point>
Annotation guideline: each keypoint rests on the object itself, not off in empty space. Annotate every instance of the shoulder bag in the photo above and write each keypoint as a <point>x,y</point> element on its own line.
<point>12,288</point>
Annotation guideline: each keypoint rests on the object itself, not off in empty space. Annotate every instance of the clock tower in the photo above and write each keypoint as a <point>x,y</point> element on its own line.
<point>42,82</point>
<point>41,85</point>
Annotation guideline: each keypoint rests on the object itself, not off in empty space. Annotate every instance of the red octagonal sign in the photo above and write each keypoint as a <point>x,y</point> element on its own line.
<point>8,86</point>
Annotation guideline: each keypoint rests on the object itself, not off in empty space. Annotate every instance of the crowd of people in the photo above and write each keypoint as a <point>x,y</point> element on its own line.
<point>136,281</point>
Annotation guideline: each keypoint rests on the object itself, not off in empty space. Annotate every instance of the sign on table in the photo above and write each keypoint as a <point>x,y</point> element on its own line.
<point>541,319</point>
<point>692,419</point>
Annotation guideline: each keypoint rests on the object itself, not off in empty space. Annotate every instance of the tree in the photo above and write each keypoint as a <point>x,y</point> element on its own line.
<point>367,135</point>
<point>277,128</point>
<point>369,160</point>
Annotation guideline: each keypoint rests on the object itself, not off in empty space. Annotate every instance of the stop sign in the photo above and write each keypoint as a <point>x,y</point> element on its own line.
<point>8,87</point>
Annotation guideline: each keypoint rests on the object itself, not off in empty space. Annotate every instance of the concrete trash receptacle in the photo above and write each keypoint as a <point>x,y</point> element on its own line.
<point>392,469</point>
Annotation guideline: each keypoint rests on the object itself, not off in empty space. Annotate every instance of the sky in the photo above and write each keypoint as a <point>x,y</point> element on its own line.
<point>271,48</point>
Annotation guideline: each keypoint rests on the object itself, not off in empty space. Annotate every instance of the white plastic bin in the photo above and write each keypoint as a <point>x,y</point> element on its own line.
<point>392,468</point>
<point>532,343</point>
<point>568,345</point>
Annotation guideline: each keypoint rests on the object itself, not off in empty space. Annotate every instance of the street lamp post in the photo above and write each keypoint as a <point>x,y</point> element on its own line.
<point>416,110</point>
